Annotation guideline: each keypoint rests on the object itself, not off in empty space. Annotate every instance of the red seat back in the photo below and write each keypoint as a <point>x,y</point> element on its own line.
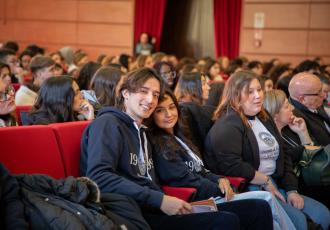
<point>31,149</point>
<point>21,109</point>
<point>68,137</point>
<point>186,194</point>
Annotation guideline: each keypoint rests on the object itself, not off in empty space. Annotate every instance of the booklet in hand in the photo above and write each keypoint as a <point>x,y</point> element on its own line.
<point>204,206</point>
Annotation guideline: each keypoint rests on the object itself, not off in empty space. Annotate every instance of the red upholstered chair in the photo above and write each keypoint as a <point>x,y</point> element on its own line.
<point>21,113</point>
<point>186,194</point>
<point>68,137</point>
<point>238,182</point>
<point>31,149</point>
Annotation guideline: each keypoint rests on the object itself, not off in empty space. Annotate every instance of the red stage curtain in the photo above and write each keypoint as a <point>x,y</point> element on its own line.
<point>149,17</point>
<point>227,20</point>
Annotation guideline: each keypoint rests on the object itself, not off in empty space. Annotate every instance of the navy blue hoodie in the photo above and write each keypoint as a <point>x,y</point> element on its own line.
<point>110,150</point>
<point>175,167</point>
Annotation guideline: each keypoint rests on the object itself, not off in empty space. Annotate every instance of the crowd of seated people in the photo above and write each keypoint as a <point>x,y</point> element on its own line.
<point>206,119</point>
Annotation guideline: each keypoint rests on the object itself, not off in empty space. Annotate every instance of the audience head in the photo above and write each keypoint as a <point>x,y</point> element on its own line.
<point>126,61</point>
<point>325,86</point>
<point>268,65</point>
<point>212,69</point>
<point>256,67</point>
<point>144,61</point>
<point>58,100</point>
<point>243,94</point>
<point>173,60</point>
<point>5,74</point>
<point>68,54</point>
<point>167,72</point>
<point>192,87</point>
<point>215,93</point>
<point>58,70</point>
<point>7,102</point>
<point>9,57</point>
<point>35,50</point>
<point>80,58</point>
<point>104,84</point>
<point>100,59</point>
<point>167,112</point>
<point>86,73</point>
<point>158,57</point>
<point>25,59</point>
<point>57,57</point>
<point>144,38</point>
<point>12,45</point>
<point>233,68</point>
<point>277,104</point>
<point>279,71</point>
<point>266,83</point>
<point>307,66</point>
<point>42,68</point>
<point>139,92</point>
<point>283,84</point>
<point>224,62</point>
<point>306,88</point>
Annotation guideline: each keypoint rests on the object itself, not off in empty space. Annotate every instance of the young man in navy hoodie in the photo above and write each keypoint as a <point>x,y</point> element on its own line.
<point>117,156</point>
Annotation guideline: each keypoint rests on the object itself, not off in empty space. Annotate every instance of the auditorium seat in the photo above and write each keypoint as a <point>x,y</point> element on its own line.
<point>31,149</point>
<point>68,136</point>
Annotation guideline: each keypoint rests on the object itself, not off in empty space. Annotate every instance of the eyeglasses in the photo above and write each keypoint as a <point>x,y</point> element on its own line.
<point>9,93</point>
<point>313,94</point>
<point>169,74</point>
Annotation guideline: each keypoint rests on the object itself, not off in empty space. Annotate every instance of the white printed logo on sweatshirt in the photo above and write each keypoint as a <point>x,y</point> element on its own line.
<point>267,139</point>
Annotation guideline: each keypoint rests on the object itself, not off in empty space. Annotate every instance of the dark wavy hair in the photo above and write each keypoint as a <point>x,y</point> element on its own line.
<point>86,73</point>
<point>165,143</point>
<point>104,83</point>
<point>190,84</point>
<point>54,103</point>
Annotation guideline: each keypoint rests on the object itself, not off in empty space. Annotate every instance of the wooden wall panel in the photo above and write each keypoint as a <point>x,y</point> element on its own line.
<point>278,15</point>
<point>320,16</point>
<point>294,29</point>
<point>106,11</point>
<point>319,43</point>
<point>104,34</point>
<point>94,51</point>
<point>58,10</point>
<point>40,31</point>
<point>100,26</point>
<point>276,42</point>
<point>276,1</point>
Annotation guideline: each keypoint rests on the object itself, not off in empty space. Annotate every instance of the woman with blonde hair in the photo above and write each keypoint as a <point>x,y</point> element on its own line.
<point>295,138</point>
<point>244,142</point>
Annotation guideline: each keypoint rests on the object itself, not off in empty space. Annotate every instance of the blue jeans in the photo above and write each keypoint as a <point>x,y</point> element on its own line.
<point>314,209</point>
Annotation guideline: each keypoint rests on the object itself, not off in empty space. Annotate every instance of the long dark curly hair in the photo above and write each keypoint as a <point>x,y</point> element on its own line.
<point>165,143</point>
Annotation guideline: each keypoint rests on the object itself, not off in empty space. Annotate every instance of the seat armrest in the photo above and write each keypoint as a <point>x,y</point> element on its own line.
<point>183,193</point>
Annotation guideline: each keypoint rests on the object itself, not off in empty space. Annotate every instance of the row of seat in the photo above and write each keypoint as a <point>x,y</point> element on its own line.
<point>55,150</point>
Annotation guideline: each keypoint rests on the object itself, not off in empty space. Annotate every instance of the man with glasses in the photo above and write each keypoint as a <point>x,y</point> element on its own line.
<point>9,57</point>
<point>306,96</point>
<point>42,68</point>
